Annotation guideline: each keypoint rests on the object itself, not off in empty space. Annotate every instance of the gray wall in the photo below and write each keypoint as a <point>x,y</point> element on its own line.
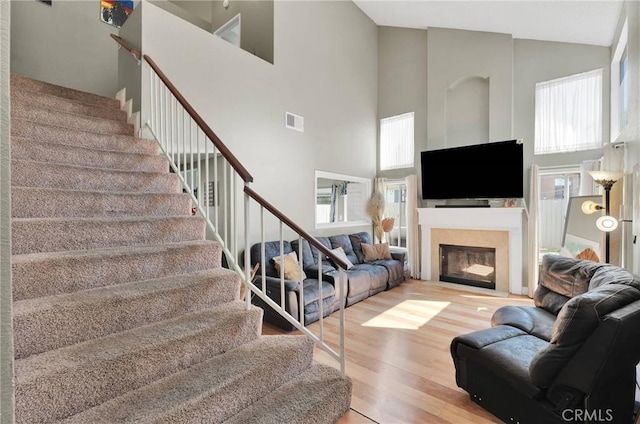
<point>64,44</point>
<point>402,85</point>
<point>325,70</point>
<point>6,295</point>
<point>129,70</point>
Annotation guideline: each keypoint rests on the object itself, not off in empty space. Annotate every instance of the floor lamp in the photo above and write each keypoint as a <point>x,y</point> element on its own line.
<point>606,222</point>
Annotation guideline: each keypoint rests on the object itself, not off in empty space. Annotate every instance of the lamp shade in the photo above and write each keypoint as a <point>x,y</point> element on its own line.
<point>606,175</point>
<point>607,223</point>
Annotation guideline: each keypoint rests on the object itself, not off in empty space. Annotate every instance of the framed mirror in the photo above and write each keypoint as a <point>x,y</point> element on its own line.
<point>341,200</point>
<point>580,231</point>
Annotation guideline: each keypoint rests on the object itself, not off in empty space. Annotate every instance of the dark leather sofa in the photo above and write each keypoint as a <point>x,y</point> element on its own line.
<point>570,358</point>
<point>364,279</point>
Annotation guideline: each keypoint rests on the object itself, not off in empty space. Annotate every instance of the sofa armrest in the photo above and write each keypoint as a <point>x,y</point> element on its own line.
<point>273,283</point>
<point>312,271</point>
<point>399,255</point>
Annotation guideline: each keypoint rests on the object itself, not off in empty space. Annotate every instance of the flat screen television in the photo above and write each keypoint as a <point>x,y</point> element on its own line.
<point>482,171</point>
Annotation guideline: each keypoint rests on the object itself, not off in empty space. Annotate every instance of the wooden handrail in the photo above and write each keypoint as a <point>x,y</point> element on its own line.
<point>235,163</point>
<point>127,47</point>
<point>312,240</point>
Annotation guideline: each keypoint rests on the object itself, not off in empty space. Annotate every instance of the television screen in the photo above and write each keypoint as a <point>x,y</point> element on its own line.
<point>482,171</point>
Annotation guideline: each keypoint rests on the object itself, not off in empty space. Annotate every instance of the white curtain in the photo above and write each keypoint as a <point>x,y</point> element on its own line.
<point>568,113</point>
<point>413,249</point>
<point>587,185</point>
<point>533,228</point>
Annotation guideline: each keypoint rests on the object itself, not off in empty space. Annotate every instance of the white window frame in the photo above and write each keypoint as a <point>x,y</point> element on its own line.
<point>389,146</point>
<point>552,134</point>
<point>616,127</point>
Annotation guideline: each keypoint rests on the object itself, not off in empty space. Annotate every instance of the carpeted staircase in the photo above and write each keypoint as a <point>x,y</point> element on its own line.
<point>122,310</point>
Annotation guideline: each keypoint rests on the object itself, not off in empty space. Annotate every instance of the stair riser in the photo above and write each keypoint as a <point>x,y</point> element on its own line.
<point>42,275</point>
<point>23,98</point>
<point>74,137</point>
<point>26,149</point>
<point>43,203</point>
<point>53,117</point>
<point>56,396</point>
<point>46,175</point>
<point>45,235</point>
<point>41,325</point>
<point>19,83</point>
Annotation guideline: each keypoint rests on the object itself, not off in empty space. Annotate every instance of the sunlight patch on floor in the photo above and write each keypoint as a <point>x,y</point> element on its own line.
<point>407,315</point>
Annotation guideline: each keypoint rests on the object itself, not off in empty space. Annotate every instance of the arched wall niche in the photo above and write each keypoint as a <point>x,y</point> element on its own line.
<point>467,111</point>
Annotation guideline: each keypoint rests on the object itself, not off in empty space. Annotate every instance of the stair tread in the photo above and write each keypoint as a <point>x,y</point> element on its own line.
<point>51,322</point>
<point>49,133</point>
<point>73,105</point>
<point>59,383</point>
<point>311,397</point>
<point>20,110</point>
<point>95,149</point>
<point>124,343</point>
<point>80,167</point>
<point>134,289</point>
<point>97,220</point>
<point>72,191</point>
<point>215,388</point>
<point>22,100</point>
<point>108,252</point>
<point>18,81</point>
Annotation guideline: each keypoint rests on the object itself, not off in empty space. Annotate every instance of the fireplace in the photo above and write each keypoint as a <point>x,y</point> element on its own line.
<point>473,266</point>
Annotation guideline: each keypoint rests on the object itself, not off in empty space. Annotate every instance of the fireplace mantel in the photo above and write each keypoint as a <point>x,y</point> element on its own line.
<point>493,219</point>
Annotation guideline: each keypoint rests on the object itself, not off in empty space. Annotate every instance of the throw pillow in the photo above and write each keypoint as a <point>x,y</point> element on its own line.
<point>291,267</point>
<point>374,252</point>
<point>339,252</point>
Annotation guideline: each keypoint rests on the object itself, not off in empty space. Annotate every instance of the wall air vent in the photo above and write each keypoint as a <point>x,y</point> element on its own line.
<point>294,122</point>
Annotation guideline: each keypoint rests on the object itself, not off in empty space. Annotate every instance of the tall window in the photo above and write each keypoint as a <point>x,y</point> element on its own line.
<point>396,142</point>
<point>568,114</point>
<point>620,85</point>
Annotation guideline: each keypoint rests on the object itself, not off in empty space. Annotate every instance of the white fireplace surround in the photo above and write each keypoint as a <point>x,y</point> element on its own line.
<point>495,219</point>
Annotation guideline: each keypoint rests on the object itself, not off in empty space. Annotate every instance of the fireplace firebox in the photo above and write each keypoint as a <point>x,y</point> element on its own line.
<point>473,266</point>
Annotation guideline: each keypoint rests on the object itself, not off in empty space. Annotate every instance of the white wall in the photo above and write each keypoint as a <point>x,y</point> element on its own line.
<point>6,291</point>
<point>65,44</point>
<point>325,70</point>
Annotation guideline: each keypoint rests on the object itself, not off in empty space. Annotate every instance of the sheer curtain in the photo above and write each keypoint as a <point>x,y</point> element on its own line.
<point>568,113</point>
<point>413,250</point>
<point>533,228</point>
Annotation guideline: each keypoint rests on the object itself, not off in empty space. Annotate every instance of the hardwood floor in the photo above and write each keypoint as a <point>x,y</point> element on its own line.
<point>397,349</point>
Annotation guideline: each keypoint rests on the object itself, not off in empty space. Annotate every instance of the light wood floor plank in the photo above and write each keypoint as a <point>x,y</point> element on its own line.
<point>397,347</point>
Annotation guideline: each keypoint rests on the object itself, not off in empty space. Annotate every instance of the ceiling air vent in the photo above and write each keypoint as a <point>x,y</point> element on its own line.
<point>295,122</point>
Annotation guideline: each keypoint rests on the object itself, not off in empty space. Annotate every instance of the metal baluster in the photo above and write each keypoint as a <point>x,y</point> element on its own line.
<point>342,278</point>
<point>206,167</point>
<point>216,187</point>
<point>234,230</point>
<point>262,250</point>
<point>247,258</point>
<point>321,298</point>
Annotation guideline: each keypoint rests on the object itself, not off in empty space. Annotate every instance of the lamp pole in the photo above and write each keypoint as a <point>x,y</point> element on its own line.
<point>607,234</point>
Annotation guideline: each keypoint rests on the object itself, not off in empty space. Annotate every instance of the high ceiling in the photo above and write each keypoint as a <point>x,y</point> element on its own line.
<point>572,21</point>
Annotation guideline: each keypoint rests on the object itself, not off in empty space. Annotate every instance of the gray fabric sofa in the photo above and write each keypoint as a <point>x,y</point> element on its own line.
<point>570,358</point>
<point>364,279</point>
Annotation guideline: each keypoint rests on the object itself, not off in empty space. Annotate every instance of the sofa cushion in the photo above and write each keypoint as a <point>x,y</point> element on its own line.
<point>561,279</point>
<point>374,252</point>
<point>535,321</point>
<point>344,242</point>
<point>395,269</point>
<point>310,252</point>
<point>356,242</point>
<point>271,249</point>
<point>339,252</point>
<point>289,266</point>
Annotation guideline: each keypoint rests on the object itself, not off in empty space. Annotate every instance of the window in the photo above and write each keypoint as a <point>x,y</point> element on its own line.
<point>623,92</point>
<point>568,113</point>
<point>396,208</point>
<point>396,142</point>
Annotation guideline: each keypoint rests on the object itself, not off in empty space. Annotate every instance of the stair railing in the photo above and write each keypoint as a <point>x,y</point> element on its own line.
<point>212,175</point>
